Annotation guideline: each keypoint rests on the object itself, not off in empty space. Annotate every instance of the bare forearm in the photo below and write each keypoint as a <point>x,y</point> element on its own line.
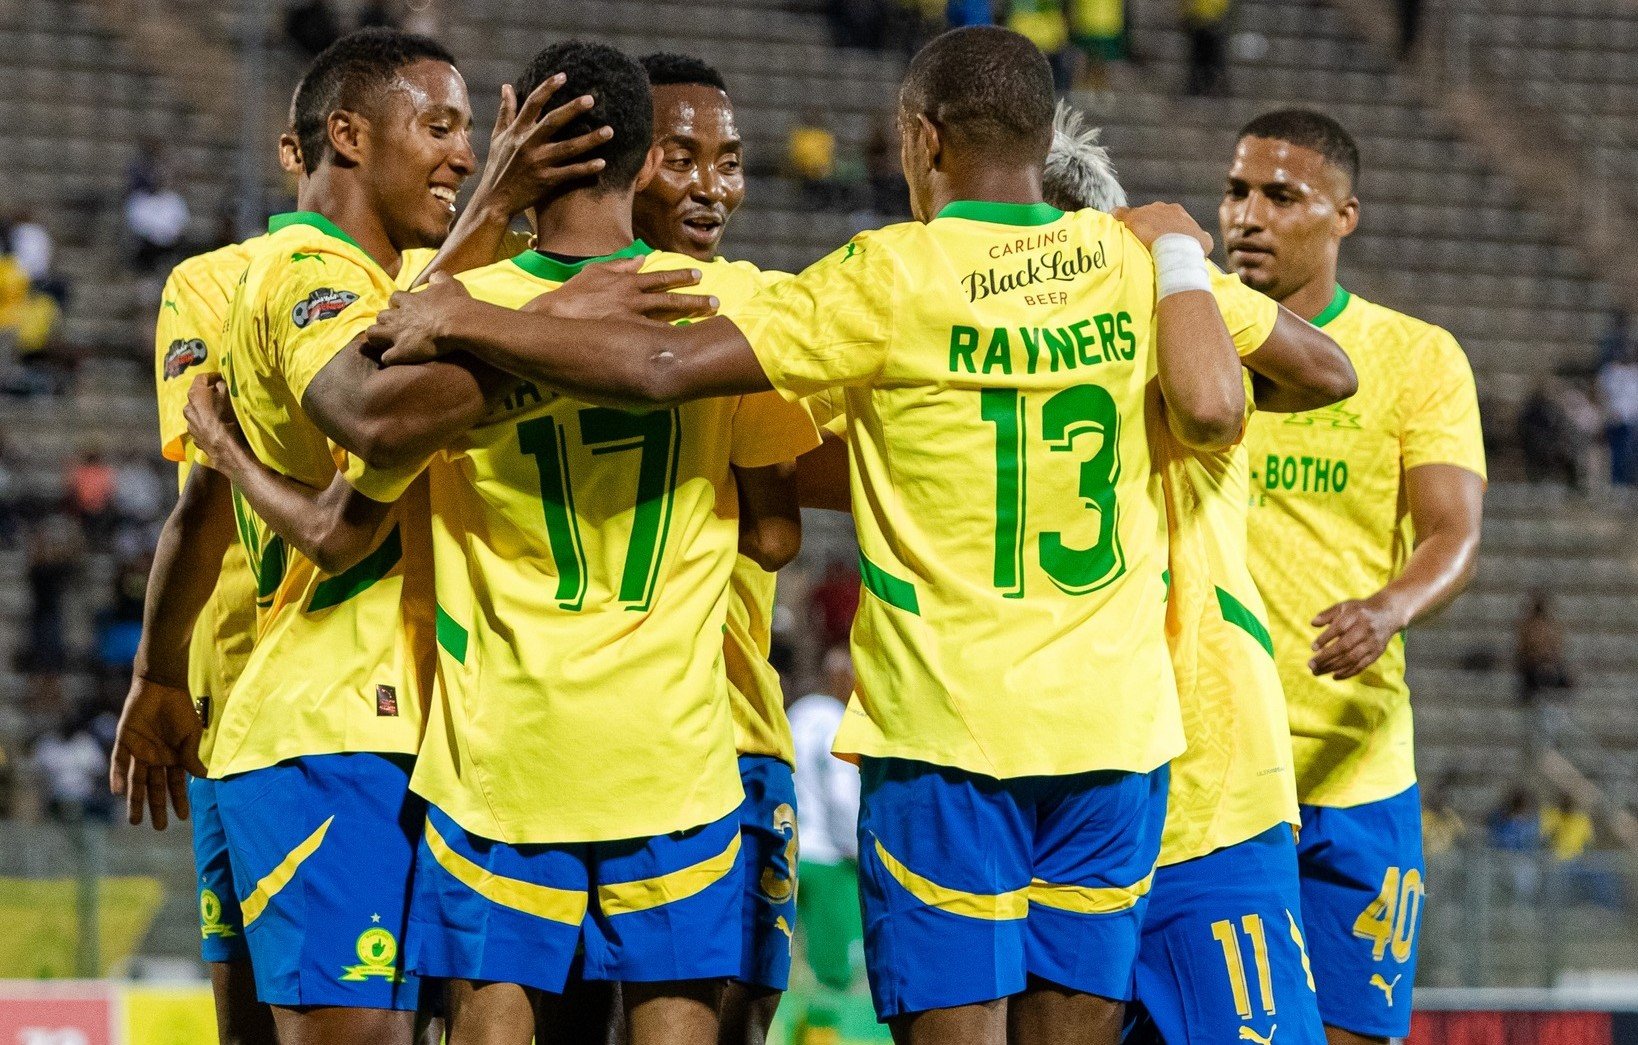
<point>1438,571</point>
<point>333,528</point>
<point>620,362</point>
<point>394,416</point>
<point>770,521</point>
<point>1299,368</point>
<point>1199,371</point>
<point>475,241</point>
<point>187,562</point>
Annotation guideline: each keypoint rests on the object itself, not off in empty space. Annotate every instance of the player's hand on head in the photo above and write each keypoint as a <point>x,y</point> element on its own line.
<point>1354,635</point>
<point>156,746</point>
<point>525,165</point>
<point>1154,220</point>
<point>409,328</point>
<point>620,290</point>
<point>212,424</point>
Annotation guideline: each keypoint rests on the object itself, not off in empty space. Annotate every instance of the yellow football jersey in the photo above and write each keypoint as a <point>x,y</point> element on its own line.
<point>583,556</point>
<point>993,365</point>
<point>1329,522</point>
<point>188,342</point>
<point>1234,781</point>
<point>341,663</point>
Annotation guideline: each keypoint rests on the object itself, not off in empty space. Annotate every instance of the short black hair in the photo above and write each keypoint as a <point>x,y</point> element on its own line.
<point>619,86</point>
<point>667,67</point>
<point>1310,130</point>
<point>989,88</point>
<point>351,74</point>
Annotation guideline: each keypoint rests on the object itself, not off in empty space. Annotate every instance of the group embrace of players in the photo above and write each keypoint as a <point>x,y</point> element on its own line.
<point>458,646</point>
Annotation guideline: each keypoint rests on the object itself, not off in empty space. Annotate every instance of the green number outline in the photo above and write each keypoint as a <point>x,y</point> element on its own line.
<point>657,437</point>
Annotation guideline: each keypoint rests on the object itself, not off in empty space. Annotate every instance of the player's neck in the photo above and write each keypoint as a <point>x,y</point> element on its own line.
<point>585,224</point>
<point>1315,296</point>
<point>336,196</point>
<point>987,184</point>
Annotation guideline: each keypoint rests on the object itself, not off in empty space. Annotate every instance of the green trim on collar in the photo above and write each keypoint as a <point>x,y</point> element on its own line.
<point>1002,213</point>
<point>1339,301</point>
<point>313,218</point>
<point>537,264</point>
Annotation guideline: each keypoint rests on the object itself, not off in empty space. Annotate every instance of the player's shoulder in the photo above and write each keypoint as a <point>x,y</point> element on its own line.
<point>513,280</point>
<point>731,282</point>
<point>1397,331</point>
<point>304,247</point>
<point>205,267</point>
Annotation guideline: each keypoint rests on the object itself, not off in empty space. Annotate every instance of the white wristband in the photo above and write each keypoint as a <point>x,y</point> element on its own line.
<point>1180,265</point>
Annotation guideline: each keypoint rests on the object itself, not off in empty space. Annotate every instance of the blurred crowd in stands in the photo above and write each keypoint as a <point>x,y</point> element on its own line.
<point>1580,427</point>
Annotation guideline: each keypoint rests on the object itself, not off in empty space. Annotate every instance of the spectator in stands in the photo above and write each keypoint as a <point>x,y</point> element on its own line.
<point>1443,828</point>
<point>1618,390</point>
<point>74,770</point>
<point>1046,25</point>
<point>1585,417</point>
<point>889,195</point>
<point>143,173</point>
<point>29,244</point>
<point>90,483</point>
<point>1545,435</point>
<point>141,499</point>
<point>1410,23</point>
<point>1098,29</point>
<point>1539,652</point>
<point>1612,344</point>
<point>28,323</point>
<point>157,219</point>
<point>1515,833</point>
<point>119,623</point>
<point>10,497</point>
<point>827,793</point>
<point>1569,831</point>
<point>834,601</point>
<point>959,13</point>
<point>810,158</point>
<point>312,26</point>
<point>1206,22</point>
<point>55,548</point>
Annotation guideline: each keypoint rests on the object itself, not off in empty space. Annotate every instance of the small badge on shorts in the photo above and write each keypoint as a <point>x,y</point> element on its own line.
<point>386,702</point>
<point>377,950</point>
<point>210,916</point>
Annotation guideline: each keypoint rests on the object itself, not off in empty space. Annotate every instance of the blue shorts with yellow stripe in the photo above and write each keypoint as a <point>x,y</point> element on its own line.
<point>221,925</point>
<point>767,829</point>
<point>322,847</point>
<point>971,885</point>
<point>1363,881</point>
<point>1223,960</point>
<point>640,910</point>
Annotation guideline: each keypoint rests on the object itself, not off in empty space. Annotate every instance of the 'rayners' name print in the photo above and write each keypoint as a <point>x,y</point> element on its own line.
<point>1105,338</point>
<point>1057,266</point>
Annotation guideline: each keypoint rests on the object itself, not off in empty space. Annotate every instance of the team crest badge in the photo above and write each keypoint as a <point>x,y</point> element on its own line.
<point>320,305</point>
<point>210,916</point>
<point>377,951</point>
<point>184,353</point>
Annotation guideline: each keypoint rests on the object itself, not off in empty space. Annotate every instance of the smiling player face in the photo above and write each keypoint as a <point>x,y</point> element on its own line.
<point>1285,210</point>
<point>422,154</point>
<point>701,181</point>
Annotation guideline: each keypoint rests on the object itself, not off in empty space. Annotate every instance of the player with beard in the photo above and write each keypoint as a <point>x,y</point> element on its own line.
<point>1365,519</point>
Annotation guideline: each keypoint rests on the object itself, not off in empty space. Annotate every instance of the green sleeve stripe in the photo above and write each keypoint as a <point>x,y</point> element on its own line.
<point>338,589</point>
<point>451,636</point>
<point>1240,615</point>
<point>888,588</point>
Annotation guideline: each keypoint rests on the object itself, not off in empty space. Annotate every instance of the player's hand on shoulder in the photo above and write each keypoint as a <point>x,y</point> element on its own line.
<point>212,424</point>
<point>1154,220</point>
<point>620,290</point>
<point>1355,633</point>
<point>525,163</point>
<point>409,329</point>
<point>155,748</point>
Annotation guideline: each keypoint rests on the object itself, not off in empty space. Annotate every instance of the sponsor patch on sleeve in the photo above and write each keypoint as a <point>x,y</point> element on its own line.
<point>184,353</point>
<point>320,305</point>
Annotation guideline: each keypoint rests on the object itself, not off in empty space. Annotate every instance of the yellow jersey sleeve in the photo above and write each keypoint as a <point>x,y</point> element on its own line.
<point>317,311</point>
<point>1249,316</point>
<point>188,335</point>
<point>1441,411</point>
<point>770,430</point>
<point>829,326</point>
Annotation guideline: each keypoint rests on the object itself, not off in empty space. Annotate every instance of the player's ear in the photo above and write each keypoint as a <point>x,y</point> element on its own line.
<point>931,141</point>
<point>1348,217</point>
<point>348,134</point>
<point>651,167</point>
<point>290,153</point>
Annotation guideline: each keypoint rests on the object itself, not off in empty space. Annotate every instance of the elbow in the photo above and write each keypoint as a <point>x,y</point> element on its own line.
<point>771,547</point>
<point>1212,427</point>
<point>1340,381</point>
<point>385,444</point>
<point>334,553</point>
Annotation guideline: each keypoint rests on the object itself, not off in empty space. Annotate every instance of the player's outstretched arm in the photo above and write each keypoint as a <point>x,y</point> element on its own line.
<point>1447,507</point>
<point>524,166</point>
<point>770,520</point>
<point>393,417</point>
<point>157,741</point>
<point>1299,368</point>
<point>334,528</point>
<point>603,337</point>
<point>1198,367</point>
